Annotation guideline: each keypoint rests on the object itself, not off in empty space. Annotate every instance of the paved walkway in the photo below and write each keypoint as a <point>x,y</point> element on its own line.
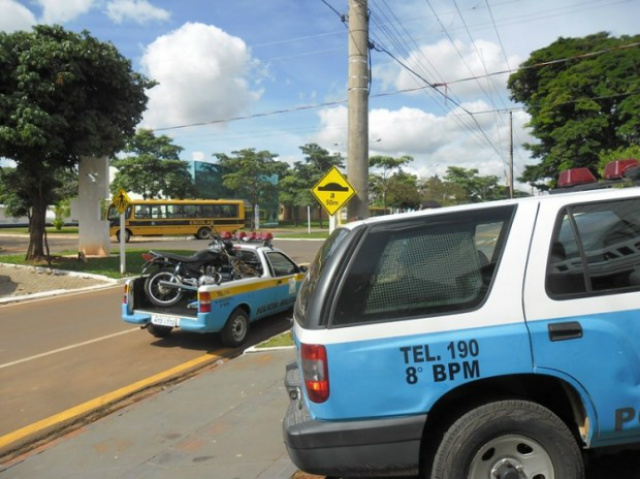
<point>222,424</point>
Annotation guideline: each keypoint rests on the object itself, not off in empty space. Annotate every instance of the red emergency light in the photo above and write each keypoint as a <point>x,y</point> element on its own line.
<point>616,169</point>
<point>575,176</point>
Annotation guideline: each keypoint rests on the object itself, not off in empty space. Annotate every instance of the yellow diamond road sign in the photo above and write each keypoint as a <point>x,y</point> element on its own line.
<point>121,201</point>
<point>333,191</point>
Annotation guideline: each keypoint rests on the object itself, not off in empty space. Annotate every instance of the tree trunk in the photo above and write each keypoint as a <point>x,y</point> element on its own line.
<point>36,251</point>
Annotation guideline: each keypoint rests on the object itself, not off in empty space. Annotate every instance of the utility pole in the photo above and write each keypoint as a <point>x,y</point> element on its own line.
<point>358,105</point>
<point>510,154</point>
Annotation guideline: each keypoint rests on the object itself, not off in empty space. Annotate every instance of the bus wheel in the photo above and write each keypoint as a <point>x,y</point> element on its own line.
<point>236,329</point>
<point>508,439</point>
<point>204,233</point>
<point>127,235</point>
<point>159,331</point>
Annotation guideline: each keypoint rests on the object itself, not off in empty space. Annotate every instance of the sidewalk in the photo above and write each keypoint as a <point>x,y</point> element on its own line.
<point>18,283</point>
<point>224,423</point>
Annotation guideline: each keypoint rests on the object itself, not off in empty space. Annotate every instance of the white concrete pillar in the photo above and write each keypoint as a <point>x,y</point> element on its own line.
<point>93,188</point>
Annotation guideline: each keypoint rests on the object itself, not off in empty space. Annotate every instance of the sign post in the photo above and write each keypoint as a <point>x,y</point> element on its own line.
<point>122,201</point>
<point>333,191</point>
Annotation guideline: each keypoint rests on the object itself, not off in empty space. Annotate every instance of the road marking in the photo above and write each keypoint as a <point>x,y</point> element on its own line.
<point>67,348</point>
<point>109,398</point>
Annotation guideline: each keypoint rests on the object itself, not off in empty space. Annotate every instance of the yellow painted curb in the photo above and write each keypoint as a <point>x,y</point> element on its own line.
<point>102,401</point>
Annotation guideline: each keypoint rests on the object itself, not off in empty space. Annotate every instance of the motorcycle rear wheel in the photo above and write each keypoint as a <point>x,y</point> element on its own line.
<point>159,295</point>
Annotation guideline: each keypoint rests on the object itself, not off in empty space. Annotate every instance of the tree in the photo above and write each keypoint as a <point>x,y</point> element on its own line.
<point>476,188</point>
<point>63,96</point>
<point>295,191</point>
<point>379,183</point>
<point>403,191</point>
<point>252,175</point>
<point>154,168</point>
<point>444,193</point>
<point>583,101</point>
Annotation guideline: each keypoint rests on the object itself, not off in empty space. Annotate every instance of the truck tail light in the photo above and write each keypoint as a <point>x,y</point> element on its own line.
<point>126,293</point>
<point>575,176</point>
<point>204,302</point>
<point>315,370</point>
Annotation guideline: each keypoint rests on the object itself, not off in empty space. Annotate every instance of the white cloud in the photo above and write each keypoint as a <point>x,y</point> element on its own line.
<point>15,17</point>
<point>448,63</point>
<point>140,11</point>
<point>202,74</point>
<point>434,141</point>
<point>61,11</point>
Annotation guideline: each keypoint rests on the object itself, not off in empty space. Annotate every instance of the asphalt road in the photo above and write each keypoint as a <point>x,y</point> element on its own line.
<point>60,352</point>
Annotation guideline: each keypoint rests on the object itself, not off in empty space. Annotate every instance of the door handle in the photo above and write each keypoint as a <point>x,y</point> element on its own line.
<point>565,331</point>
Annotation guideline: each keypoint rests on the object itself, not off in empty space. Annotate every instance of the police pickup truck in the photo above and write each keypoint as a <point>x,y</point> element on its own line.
<point>487,341</point>
<point>226,307</point>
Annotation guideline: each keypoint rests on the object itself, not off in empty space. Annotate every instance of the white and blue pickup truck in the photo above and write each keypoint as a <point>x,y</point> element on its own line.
<point>228,307</point>
<point>489,341</point>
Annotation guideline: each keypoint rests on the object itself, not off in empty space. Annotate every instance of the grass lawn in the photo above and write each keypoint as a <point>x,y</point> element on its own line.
<point>109,266</point>
<point>281,340</point>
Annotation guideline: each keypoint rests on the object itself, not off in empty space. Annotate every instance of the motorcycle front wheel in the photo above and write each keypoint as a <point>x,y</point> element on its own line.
<point>159,294</point>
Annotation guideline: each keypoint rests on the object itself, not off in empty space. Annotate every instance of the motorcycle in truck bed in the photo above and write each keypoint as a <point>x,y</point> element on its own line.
<point>219,302</point>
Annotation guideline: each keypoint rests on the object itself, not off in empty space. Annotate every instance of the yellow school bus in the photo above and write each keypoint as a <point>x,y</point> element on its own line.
<point>200,218</point>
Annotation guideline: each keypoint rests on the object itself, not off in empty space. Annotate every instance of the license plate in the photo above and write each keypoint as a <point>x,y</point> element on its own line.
<point>164,320</point>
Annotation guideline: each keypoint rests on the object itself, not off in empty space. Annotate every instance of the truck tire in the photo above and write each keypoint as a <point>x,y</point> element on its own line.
<point>236,328</point>
<point>203,233</point>
<point>508,439</point>
<point>159,331</point>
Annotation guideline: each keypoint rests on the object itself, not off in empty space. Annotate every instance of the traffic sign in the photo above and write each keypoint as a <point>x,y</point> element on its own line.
<point>333,191</point>
<point>121,201</point>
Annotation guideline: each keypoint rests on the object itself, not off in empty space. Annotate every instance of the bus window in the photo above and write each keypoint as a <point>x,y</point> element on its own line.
<point>175,211</point>
<point>142,211</point>
<point>229,211</point>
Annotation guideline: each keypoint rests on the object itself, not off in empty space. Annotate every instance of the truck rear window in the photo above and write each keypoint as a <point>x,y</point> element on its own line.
<point>426,266</point>
<point>311,281</point>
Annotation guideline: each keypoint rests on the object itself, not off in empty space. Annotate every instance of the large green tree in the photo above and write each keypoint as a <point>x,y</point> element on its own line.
<point>153,168</point>
<point>252,174</point>
<point>474,187</point>
<point>403,192</point>
<point>583,98</point>
<point>380,180</point>
<point>295,190</point>
<point>63,95</point>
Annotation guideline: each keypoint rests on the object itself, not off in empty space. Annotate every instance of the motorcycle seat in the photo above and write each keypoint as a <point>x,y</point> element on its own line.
<point>199,256</point>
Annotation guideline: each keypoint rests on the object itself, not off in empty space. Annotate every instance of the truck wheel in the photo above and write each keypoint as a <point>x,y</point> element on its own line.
<point>511,439</point>
<point>236,329</point>
<point>159,331</point>
<point>127,235</point>
<point>203,233</point>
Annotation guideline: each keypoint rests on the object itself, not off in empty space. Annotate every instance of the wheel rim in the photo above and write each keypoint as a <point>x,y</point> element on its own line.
<point>512,457</point>
<point>239,329</point>
<point>161,293</point>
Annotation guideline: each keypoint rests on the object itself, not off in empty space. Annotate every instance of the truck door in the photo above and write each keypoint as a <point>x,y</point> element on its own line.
<point>582,304</point>
<point>285,271</point>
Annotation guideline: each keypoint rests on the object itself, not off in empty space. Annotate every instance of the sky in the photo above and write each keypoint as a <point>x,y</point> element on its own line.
<point>272,74</point>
